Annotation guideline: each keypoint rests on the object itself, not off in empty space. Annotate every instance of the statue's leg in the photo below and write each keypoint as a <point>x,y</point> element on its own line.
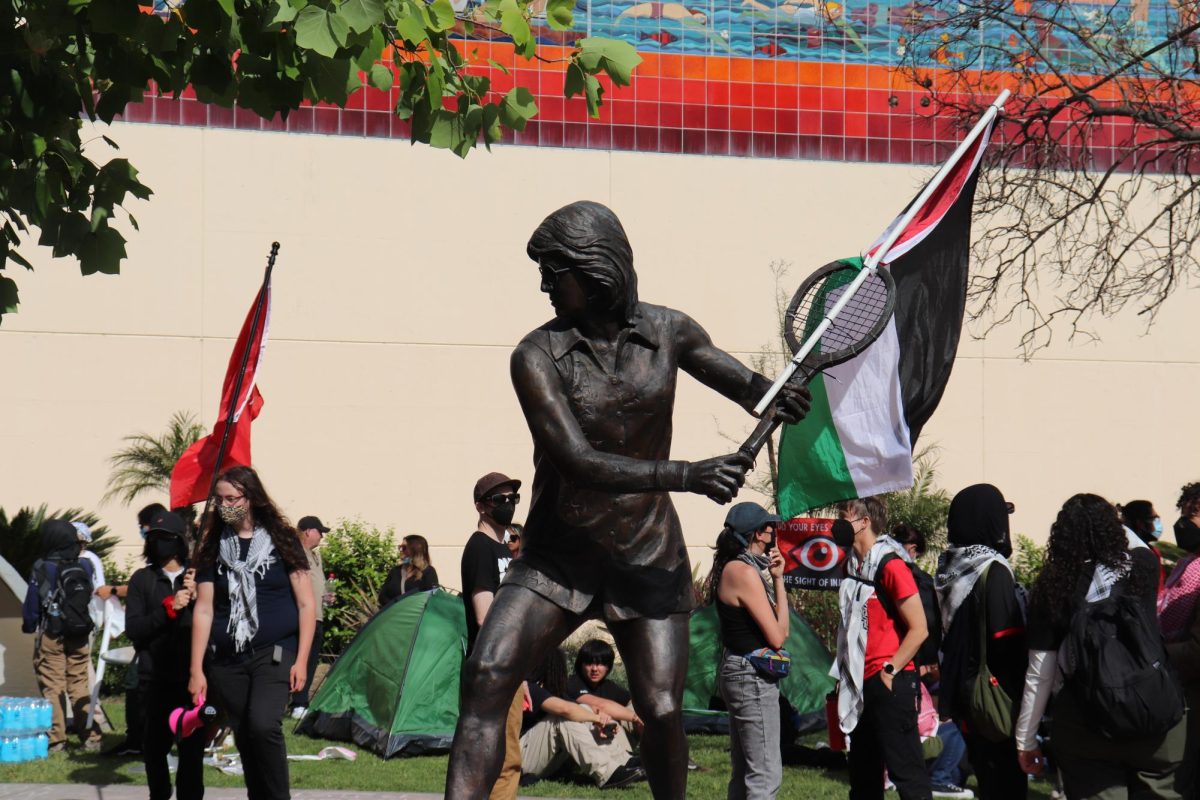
<point>520,628</point>
<point>655,652</point>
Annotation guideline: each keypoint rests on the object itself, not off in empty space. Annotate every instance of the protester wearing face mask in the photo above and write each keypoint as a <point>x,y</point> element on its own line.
<point>984,622</point>
<point>746,584</point>
<point>881,630</point>
<point>1140,517</point>
<point>252,625</point>
<point>485,559</point>
<point>158,619</point>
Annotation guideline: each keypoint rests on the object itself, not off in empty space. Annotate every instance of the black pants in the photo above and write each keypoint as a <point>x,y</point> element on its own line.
<point>135,719</point>
<point>886,734</point>
<point>254,696</point>
<point>300,698</point>
<point>158,701</point>
<point>996,769</point>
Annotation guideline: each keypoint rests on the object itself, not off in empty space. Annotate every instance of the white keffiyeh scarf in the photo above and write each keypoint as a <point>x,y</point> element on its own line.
<point>240,576</point>
<point>1104,579</point>
<point>958,571</point>
<point>853,596</point>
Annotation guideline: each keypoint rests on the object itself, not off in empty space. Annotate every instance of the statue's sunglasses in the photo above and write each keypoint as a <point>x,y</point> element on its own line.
<point>550,274</point>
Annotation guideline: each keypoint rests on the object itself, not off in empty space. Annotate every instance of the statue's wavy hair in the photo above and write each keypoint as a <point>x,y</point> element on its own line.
<point>587,237</point>
<point>1087,532</point>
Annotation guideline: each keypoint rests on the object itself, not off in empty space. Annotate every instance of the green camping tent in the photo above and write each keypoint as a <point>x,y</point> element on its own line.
<point>805,686</point>
<point>395,688</point>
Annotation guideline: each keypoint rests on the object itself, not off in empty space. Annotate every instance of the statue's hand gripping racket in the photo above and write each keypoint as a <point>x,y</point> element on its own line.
<point>836,313</point>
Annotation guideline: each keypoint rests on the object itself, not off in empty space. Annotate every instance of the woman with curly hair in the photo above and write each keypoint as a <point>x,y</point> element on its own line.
<point>252,624</point>
<point>1090,558</point>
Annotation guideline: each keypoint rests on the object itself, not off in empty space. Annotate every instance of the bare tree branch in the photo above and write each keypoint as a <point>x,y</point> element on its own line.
<point>1089,201</point>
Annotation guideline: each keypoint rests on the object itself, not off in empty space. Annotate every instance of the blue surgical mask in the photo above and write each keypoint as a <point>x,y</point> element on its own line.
<point>1158,528</point>
<point>142,531</point>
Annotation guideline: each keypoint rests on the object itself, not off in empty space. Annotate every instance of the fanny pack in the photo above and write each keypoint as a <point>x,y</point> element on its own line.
<point>770,663</point>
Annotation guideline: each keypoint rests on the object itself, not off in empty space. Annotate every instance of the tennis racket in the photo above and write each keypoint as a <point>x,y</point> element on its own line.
<point>852,330</point>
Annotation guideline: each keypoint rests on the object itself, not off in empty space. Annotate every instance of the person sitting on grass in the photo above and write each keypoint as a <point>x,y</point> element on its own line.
<point>590,685</point>
<point>557,732</point>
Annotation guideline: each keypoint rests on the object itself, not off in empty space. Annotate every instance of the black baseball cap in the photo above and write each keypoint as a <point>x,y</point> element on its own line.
<point>492,481</point>
<point>311,522</point>
<point>745,518</point>
<point>167,522</point>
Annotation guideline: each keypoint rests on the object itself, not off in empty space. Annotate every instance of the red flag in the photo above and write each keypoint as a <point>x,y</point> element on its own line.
<point>192,475</point>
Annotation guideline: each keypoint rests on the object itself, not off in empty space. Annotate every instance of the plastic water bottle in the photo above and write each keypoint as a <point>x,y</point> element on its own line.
<point>28,747</point>
<point>16,720</point>
<point>43,745</point>
<point>46,715</point>
<point>5,723</point>
<point>10,750</point>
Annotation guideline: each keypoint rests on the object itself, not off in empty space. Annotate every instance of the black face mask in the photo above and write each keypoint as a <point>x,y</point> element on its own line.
<point>1004,548</point>
<point>843,534</point>
<point>164,550</point>
<point>503,513</point>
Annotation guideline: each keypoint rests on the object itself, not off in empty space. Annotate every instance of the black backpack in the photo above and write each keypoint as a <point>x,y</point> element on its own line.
<point>65,598</point>
<point>1116,667</point>
<point>927,654</point>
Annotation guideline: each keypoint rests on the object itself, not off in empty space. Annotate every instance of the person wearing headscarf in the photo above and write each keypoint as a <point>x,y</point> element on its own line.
<point>972,572</point>
<point>60,658</point>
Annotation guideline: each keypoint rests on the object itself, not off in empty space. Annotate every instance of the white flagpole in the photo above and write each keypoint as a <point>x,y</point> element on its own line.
<point>871,262</point>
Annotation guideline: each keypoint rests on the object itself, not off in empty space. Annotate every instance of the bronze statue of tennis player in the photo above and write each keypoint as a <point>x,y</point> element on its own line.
<point>602,539</point>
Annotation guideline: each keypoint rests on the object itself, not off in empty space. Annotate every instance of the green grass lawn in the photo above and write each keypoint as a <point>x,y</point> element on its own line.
<point>422,774</point>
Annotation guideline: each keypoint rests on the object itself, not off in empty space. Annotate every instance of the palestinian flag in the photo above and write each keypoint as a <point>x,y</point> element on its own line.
<point>867,413</point>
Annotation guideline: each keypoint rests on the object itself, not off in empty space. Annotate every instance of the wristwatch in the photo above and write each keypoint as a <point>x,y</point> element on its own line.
<point>889,669</point>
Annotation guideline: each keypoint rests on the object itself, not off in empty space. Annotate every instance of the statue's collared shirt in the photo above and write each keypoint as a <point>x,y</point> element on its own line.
<point>598,552</point>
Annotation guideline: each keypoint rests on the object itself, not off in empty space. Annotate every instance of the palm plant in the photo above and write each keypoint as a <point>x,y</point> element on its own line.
<point>21,540</point>
<point>146,461</point>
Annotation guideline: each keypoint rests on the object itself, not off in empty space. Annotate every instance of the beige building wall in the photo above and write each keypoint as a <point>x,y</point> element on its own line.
<point>402,286</point>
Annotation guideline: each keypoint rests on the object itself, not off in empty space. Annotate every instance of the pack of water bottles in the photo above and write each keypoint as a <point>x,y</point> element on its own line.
<point>24,722</point>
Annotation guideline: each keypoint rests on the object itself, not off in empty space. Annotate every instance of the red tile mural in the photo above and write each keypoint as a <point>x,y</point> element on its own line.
<point>699,105</point>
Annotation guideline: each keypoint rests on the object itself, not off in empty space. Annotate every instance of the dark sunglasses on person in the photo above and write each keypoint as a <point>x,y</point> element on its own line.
<point>507,497</point>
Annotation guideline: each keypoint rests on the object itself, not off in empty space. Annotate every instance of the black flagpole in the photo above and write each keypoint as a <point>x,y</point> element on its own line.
<point>237,388</point>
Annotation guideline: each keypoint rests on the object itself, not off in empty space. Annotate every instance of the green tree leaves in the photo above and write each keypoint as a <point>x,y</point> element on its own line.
<point>615,59</point>
<point>268,56</point>
<point>322,30</point>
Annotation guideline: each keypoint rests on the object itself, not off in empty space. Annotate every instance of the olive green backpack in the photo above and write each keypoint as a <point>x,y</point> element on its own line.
<point>989,708</point>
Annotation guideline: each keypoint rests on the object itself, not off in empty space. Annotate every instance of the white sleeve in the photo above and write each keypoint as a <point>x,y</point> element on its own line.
<point>98,568</point>
<point>1039,684</point>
